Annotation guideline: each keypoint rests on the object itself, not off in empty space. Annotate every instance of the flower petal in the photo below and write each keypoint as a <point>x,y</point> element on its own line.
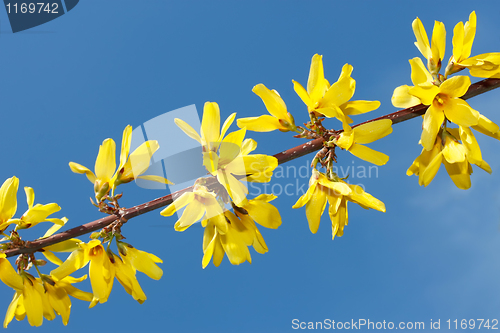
<point>126,141</point>
<point>32,303</point>
<point>365,199</point>
<point>459,112</point>
<point>76,260</point>
<point>178,203</point>
<point>236,190</point>
<point>9,276</point>
<point>458,42</point>
<point>433,119</point>
<point>105,164</point>
<point>316,85</point>
<point>340,92</point>
<point>438,43</point>
<point>426,93</point>
<point>78,168</point>
<point>359,107</point>
<point>314,209</point>
<point>264,213</point>
<point>372,131</point>
<point>8,198</point>
<point>236,138</point>
<point>186,128</point>
<point>453,151</point>
<point>304,96</point>
<point>368,154</point>
<point>419,73</point>
<point>459,174</point>
<point>305,197</point>
<point>193,212</point>
<point>456,86</point>
<point>210,124</point>
<point>469,34</point>
<point>422,42</point>
<point>12,308</point>
<point>143,263</point>
<point>274,103</point>
<point>401,97</point>
<point>264,123</point>
<point>429,173</point>
<point>227,123</point>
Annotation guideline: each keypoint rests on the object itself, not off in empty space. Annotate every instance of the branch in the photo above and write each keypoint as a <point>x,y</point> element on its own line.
<point>283,157</point>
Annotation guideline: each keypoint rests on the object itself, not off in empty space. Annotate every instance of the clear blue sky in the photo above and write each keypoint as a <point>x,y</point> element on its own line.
<point>70,83</point>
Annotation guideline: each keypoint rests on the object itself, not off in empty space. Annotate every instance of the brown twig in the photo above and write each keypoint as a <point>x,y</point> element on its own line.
<point>283,157</point>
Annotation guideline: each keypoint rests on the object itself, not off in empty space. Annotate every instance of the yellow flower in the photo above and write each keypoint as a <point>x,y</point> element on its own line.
<point>220,236</point>
<point>456,157</point>
<point>337,193</point>
<point>228,157</point>
<point>38,213</point>
<point>101,270</point>
<point>211,134</point>
<point>485,65</point>
<point>487,127</point>
<point>420,76</point>
<point>69,245</point>
<point>130,261</point>
<point>444,102</point>
<point>39,298</point>
<point>107,177</point>
<point>8,275</point>
<point>279,119</point>
<point>142,261</point>
<point>200,204</point>
<point>8,201</point>
<point>30,301</point>
<point>234,242</point>
<point>332,101</point>
<point>433,52</point>
<point>234,164</point>
<point>58,293</point>
<point>352,140</point>
<point>241,232</point>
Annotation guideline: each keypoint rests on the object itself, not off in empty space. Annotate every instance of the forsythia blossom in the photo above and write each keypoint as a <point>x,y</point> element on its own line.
<point>105,266</point>
<point>107,177</point>
<point>228,159</point>
<point>444,95</point>
<point>456,157</point>
<point>352,139</point>
<point>279,119</point>
<point>241,231</point>
<point>36,298</point>
<point>336,193</point>
<point>333,100</point>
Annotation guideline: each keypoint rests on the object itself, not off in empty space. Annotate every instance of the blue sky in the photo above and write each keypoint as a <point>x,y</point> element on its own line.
<point>69,84</point>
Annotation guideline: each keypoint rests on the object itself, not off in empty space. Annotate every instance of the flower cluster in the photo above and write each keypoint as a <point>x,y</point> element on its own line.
<point>336,192</point>
<point>327,101</point>
<point>227,158</point>
<point>34,298</point>
<point>45,296</point>
<point>443,95</point>
<point>107,177</point>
